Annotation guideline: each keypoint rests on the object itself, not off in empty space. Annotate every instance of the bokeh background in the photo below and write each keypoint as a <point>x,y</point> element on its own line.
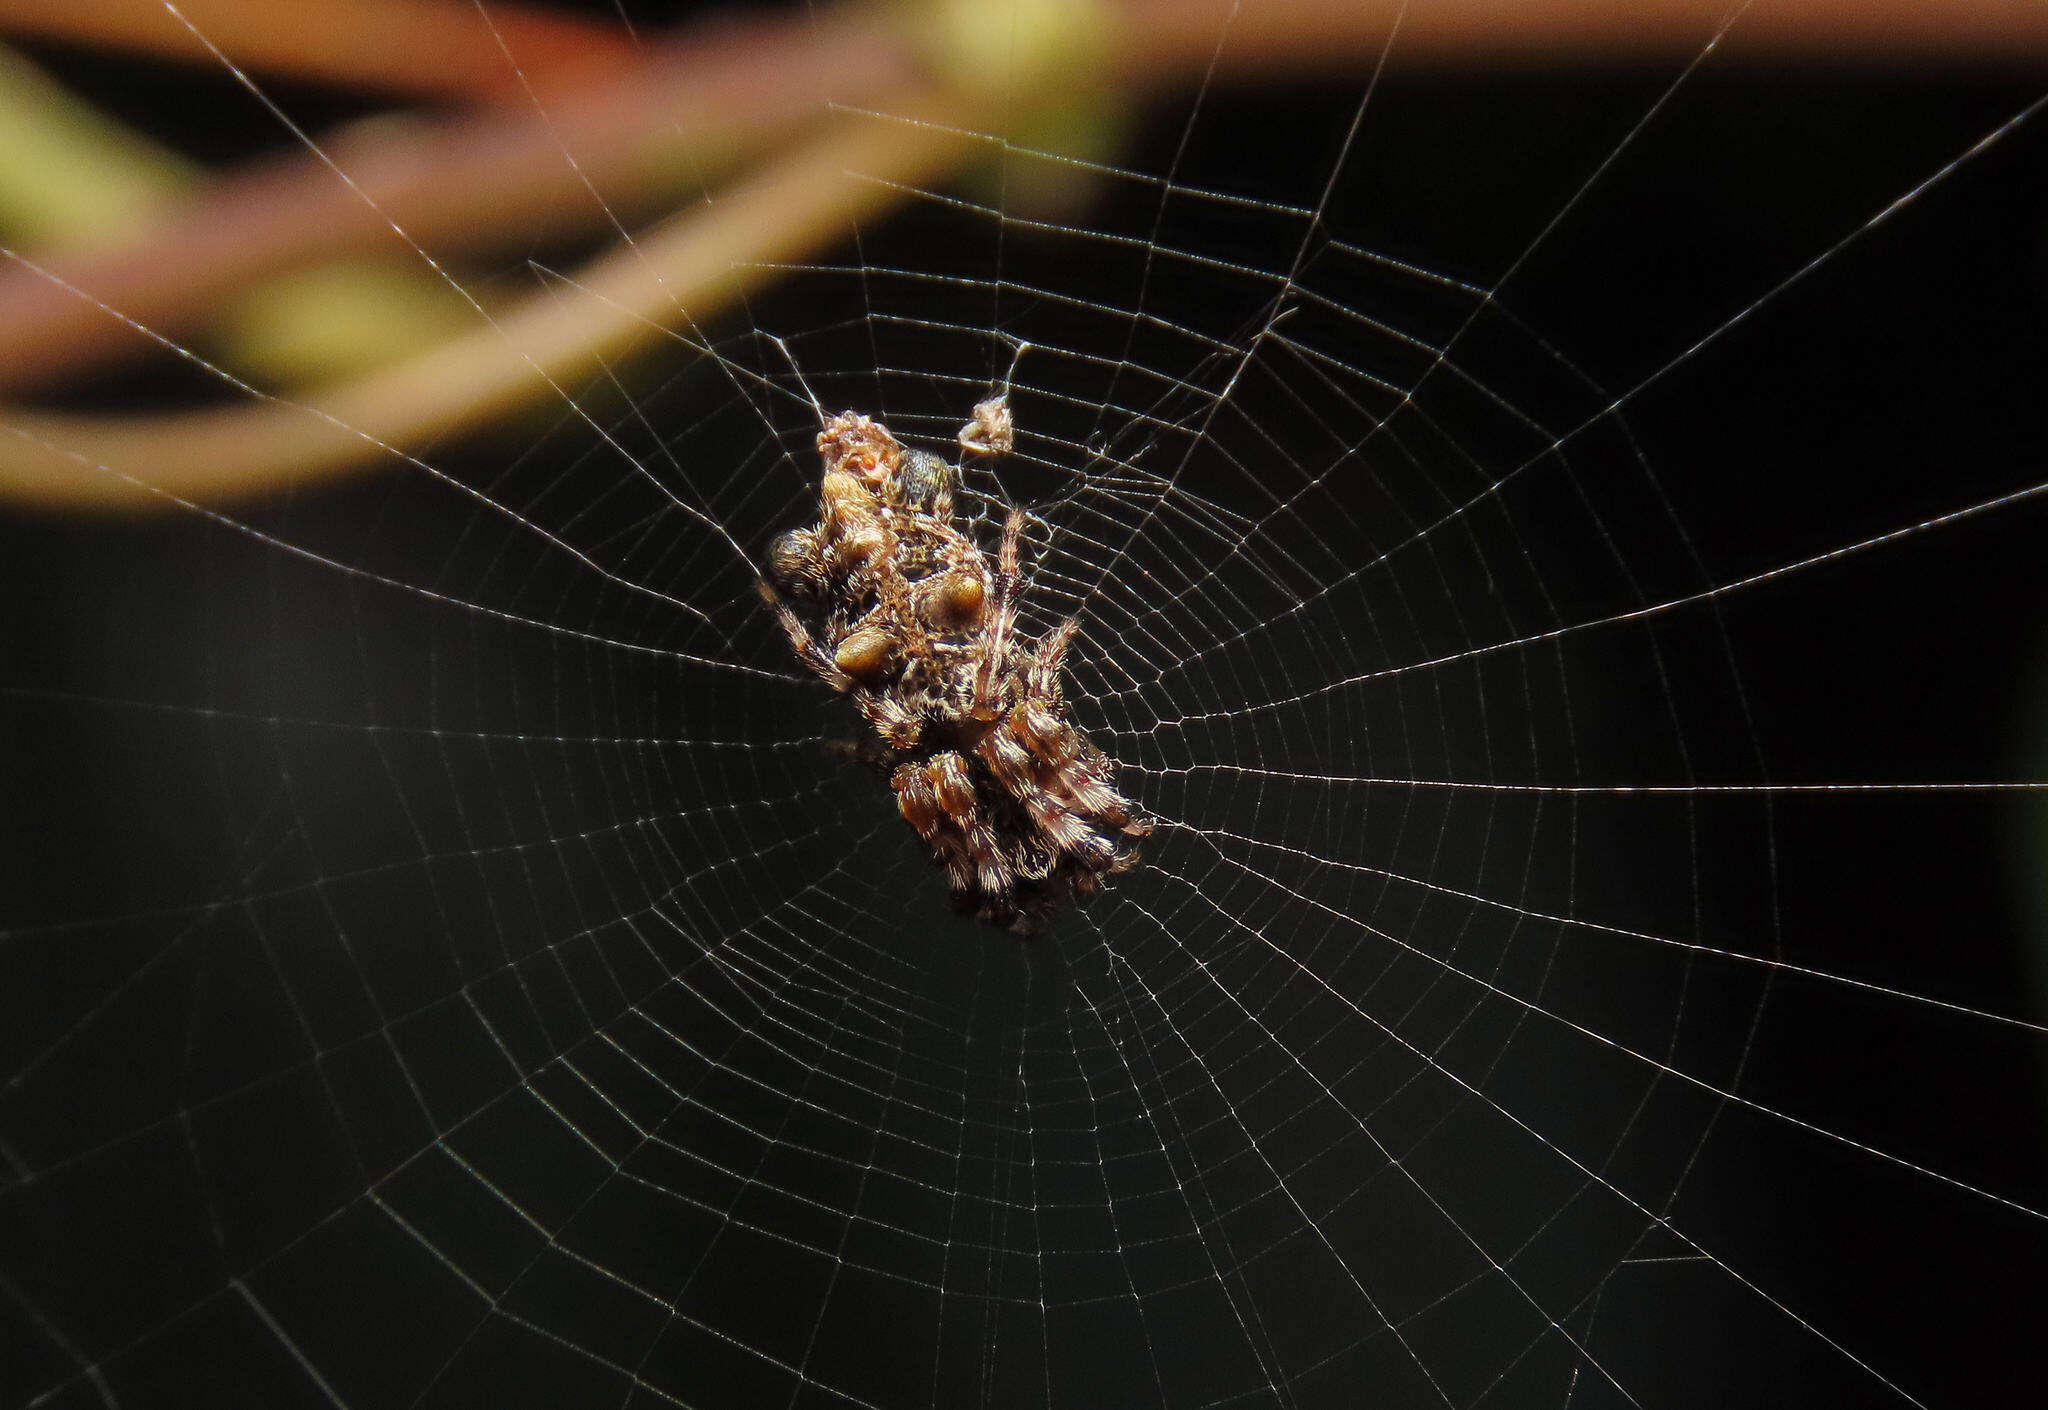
<point>440,967</point>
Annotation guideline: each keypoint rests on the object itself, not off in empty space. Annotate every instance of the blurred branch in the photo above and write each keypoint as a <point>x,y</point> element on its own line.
<point>1169,41</point>
<point>639,138</point>
<point>73,176</point>
<point>411,48</point>
<point>658,286</point>
<point>639,128</point>
<point>75,179</point>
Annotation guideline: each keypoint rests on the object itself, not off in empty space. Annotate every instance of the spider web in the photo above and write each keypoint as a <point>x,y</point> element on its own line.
<point>1558,558</point>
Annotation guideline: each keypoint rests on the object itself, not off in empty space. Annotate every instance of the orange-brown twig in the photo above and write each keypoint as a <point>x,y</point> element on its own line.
<point>634,295</point>
<point>640,137</point>
<point>414,48</point>
<point>1164,42</point>
<point>642,124</point>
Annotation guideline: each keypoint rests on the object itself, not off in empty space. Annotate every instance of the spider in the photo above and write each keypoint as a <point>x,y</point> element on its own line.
<point>890,603</point>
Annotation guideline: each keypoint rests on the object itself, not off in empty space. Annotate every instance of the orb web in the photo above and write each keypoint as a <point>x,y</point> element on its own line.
<point>459,960</point>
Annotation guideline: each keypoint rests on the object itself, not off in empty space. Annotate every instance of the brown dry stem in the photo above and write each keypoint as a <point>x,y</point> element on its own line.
<point>643,124</point>
<point>656,287</point>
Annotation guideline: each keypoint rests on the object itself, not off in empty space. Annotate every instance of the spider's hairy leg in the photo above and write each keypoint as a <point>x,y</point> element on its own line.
<point>807,649</point>
<point>989,888</point>
<point>1001,618</point>
<point>937,798</point>
<point>998,893</point>
<point>1040,729</point>
<point>917,798</point>
<point>1061,825</point>
<point>918,801</point>
<point>1093,795</point>
<point>897,724</point>
<point>1043,682</point>
<point>1076,770</point>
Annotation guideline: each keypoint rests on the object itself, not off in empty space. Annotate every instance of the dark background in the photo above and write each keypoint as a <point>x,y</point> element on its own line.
<point>1899,380</point>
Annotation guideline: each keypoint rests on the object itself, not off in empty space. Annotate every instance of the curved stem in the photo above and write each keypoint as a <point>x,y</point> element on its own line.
<point>638,130</point>
<point>1170,41</point>
<point>418,48</point>
<point>640,138</point>
<point>633,295</point>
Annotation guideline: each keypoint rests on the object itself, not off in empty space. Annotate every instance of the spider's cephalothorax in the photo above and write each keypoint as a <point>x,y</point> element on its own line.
<point>889,602</point>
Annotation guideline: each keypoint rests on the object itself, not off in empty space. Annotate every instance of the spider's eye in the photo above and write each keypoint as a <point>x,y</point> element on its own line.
<point>865,654</point>
<point>922,479</point>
